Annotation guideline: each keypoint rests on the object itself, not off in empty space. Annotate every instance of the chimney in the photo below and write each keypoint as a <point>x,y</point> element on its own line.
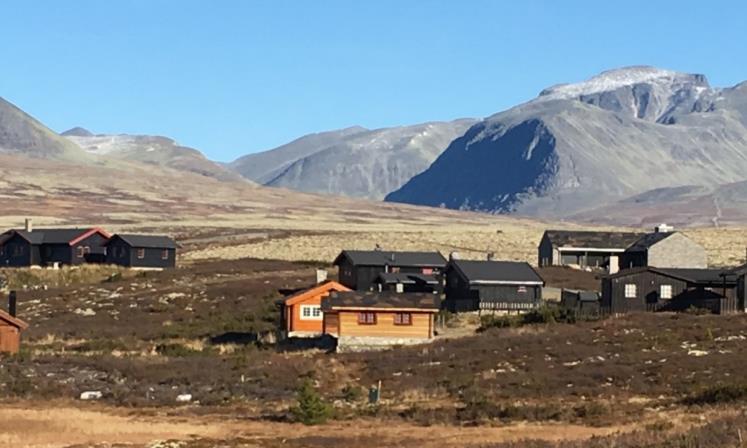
<point>663,228</point>
<point>321,276</point>
<point>29,225</point>
<point>454,256</point>
<point>491,256</point>
<point>12,302</point>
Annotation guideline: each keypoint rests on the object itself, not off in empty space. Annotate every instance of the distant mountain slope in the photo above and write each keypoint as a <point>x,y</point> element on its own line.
<point>578,147</point>
<point>152,150</point>
<point>22,134</point>
<point>683,206</point>
<point>353,162</point>
<point>264,166</point>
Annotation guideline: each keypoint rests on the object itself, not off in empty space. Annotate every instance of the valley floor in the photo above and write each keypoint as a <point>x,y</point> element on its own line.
<point>61,424</point>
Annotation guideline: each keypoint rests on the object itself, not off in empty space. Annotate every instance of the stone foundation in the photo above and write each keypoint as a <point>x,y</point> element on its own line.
<point>348,344</point>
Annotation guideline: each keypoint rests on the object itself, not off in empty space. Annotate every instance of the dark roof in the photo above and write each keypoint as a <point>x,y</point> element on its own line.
<point>405,278</point>
<point>648,240</point>
<point>583,295</point>
<point>511,272</point>
<point>382,258</point>
<point>697,276</point>
<point>592,239</point>
<point>51,236</point>
<point>147,241</point>
<point>381,300</point>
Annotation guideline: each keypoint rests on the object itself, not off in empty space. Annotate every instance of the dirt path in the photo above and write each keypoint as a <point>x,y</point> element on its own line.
<point>31,425</point>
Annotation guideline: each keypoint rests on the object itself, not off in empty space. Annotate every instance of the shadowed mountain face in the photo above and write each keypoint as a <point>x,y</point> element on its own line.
<point>582,146</point>
<point>353,162</point>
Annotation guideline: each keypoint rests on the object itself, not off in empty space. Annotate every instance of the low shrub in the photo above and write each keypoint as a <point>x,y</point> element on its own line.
<point>542,315</point>
<point>311,408</point>
<point>176,350</point>
<point>718,394</point>
<point>352,393</point>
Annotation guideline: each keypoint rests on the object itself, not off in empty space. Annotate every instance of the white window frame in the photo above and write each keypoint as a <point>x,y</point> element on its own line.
<point>631,291</point>
<point>310,312</point>
<point>668,295</point>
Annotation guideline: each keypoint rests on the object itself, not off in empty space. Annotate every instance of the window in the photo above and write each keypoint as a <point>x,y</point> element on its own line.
<point>17,251</point>
<point>80,252</point>
<point>402,319</point>
<point>631,291</point>
<point>86,249</point>
<point>165,254</point>
<point>394,269</point>
<point>367,318</point>
<point>427,271</point>
<point>2,251</point>
<point>665,292</point>
<point>522,289</point>
<point>141,253</point>
<point>311,312</point>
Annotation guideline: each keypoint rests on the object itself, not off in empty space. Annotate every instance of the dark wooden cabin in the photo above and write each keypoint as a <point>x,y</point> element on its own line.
<point>141,251</point>
<point>492,285</point>
<point>358,269</point>
<point>402,282</point>
<point>46,247</point>
<point>668,289</point>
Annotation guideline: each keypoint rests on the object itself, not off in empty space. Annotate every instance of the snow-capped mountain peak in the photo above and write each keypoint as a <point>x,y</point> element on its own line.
<point>611,80</point>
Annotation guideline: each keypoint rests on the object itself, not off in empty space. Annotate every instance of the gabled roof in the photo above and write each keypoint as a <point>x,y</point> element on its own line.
<point>390,258</point>
<point>16,322</point>
<point>356,300</point>
<point>696,276</point>
<point>146,241</point>
<point>320,289</point>
<point>497,272</point>
<point>587,239</point>
<point>54,236</point>
<point>405,278</point>
<point>648,240</point>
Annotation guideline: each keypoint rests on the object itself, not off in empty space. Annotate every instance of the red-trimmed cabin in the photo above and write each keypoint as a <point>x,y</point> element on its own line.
<point>302,313</point>
<point>46,247</point>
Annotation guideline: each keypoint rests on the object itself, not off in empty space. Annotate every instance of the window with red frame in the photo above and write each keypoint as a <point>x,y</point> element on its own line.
<point>402,319</point>
<point>141,253</point>
<point>366,318</point>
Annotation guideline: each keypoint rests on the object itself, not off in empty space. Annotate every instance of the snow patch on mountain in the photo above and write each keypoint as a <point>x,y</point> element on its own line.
<point>612,80</point>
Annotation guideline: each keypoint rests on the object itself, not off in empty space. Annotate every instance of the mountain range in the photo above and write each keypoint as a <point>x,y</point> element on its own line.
<point>355,161</point>
<point>578,149</point>
<point>632,146</point>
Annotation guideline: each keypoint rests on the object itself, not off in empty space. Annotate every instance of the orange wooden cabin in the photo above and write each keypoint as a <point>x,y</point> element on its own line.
<point>302,312</point>
<point>10,332</point>
<point>370,320</point>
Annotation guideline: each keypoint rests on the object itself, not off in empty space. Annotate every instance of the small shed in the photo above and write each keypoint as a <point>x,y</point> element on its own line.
<point>141,251</point>
<point>11,328</point>
<point>301,313</point>
<point>584,303</point>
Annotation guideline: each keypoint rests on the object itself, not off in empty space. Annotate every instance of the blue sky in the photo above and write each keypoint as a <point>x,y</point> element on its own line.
<point>234,77</point>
